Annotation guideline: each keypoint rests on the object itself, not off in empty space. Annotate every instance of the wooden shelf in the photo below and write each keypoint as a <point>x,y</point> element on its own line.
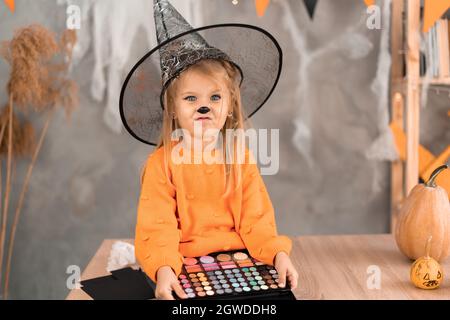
<point>438,81</point>
<point>433,81</point>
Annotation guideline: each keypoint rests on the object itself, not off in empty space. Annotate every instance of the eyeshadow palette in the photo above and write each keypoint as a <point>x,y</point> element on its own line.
<point>230,275</point>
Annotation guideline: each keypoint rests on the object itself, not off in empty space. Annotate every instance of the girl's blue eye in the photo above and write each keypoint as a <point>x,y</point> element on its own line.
<point>190,98</point>
<point>215,97</point>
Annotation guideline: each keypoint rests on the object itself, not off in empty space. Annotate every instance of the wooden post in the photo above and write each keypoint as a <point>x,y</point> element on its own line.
<point>412,94</point>
<point>397,102</point>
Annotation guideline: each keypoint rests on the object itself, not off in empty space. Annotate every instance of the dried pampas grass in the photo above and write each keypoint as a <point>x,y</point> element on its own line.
<point>38,76</point>
<point>23,142</point>
<point>28,53</point>
<point>38,82</point>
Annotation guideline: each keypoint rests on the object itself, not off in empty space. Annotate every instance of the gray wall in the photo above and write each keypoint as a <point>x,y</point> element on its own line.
<point>85,185</point>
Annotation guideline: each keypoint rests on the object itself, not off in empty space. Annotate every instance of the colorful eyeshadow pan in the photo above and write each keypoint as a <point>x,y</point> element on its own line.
<point>206,259</point>
<point>189,261</point>
<point>223,257</point>
<point>240,256</point>
<point>195,269</point>
<point>231,274</point>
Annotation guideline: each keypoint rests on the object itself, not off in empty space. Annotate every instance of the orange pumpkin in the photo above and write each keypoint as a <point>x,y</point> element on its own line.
<point>425,212</point>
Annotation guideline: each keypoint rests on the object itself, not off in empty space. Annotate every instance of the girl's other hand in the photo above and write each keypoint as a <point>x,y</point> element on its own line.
<point>166,282</point>
<point>285,268</point>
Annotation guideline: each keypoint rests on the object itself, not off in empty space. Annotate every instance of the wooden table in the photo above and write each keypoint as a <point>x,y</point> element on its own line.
<point>330,267</point>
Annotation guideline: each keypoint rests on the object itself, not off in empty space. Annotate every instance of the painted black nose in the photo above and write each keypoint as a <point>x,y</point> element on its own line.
<point>203,110</point>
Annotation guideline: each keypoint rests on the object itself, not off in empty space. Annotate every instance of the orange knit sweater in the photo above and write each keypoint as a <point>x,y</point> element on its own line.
<point>194,220</point>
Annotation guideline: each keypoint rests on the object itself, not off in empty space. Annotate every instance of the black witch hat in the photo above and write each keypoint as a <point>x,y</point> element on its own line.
<point>254,52</point>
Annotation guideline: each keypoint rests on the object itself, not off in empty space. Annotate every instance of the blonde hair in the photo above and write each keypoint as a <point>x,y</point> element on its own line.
<point>232,77</point>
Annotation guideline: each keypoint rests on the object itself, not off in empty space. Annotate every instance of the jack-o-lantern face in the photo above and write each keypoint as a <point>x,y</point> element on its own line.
<point>426,273</point>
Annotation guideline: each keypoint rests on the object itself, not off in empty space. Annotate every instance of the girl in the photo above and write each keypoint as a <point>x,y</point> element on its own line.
<point>193,208</point>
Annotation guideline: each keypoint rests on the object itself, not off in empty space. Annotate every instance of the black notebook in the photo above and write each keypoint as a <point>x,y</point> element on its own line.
<point>123,284</point>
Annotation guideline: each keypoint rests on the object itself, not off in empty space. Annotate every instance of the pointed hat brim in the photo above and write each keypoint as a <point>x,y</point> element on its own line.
<point>253,50</point>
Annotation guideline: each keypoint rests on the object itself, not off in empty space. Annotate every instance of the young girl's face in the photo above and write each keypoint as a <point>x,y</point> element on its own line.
<point>202,99</point>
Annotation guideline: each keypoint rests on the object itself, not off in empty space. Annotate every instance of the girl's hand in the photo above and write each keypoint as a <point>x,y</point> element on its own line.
<point>166,282</point>
<point>285,268</point>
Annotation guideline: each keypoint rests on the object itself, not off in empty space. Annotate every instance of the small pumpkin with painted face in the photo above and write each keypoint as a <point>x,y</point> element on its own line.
<point>426,273</point>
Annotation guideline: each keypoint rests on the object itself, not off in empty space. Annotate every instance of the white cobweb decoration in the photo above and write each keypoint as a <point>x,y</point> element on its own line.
<point>383,148</point>
<point>109,28</point>
<point>353,44</point>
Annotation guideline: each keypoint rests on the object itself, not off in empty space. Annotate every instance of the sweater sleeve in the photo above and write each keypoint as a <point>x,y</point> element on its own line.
<point>258,228</point>
<point>157,235</point>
